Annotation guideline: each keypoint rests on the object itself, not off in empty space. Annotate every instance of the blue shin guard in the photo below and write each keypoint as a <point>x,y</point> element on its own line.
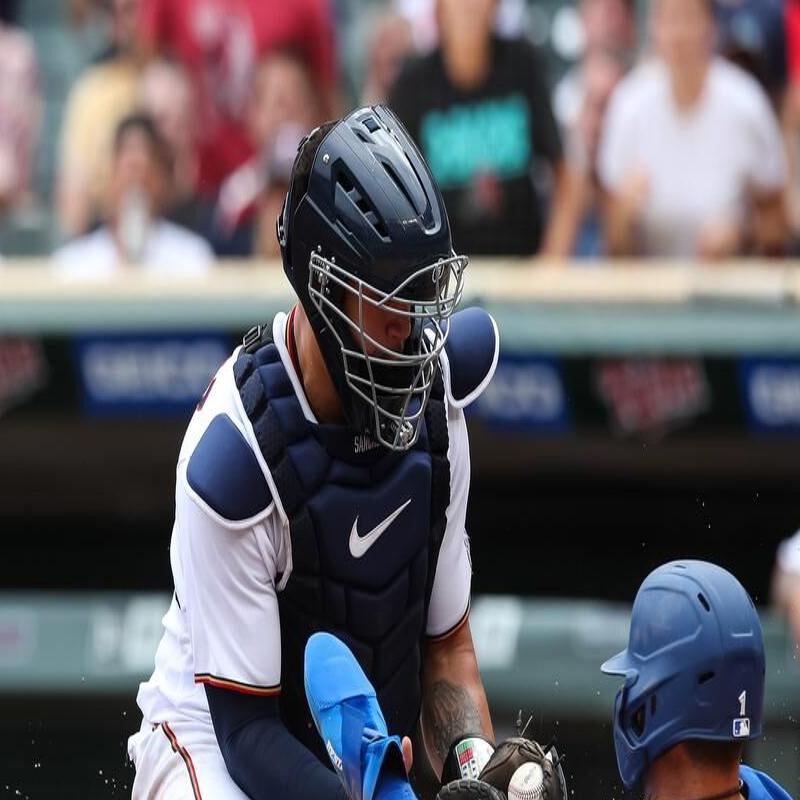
<point>368,761</point>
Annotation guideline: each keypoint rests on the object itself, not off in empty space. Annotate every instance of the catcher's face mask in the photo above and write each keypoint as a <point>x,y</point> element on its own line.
<point>391,380</point>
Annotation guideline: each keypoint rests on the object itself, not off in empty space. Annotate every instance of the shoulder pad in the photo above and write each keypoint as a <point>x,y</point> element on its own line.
<point>224,472</point>
<point>470,355</point>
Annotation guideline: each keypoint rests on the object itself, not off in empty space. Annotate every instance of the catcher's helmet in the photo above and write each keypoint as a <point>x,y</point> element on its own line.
<point>363,215</point>
<point>693,668</point>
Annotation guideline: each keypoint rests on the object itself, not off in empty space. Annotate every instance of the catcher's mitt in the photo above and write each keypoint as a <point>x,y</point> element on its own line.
<point>511,754</point>
<point>469,789</point>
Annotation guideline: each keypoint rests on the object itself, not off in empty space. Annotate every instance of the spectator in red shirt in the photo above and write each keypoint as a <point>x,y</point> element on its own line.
<point>20,116</point>
<point>166,95</point>
<point>284,106</point>
<point>219,42</point>
<point>793,39</point>
<point>791,112</point>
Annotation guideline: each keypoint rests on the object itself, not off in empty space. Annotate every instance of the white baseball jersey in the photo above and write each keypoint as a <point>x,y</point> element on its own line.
<point>223,626</point>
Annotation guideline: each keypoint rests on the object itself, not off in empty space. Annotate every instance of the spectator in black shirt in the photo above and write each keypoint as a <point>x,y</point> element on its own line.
<point>479,109</point>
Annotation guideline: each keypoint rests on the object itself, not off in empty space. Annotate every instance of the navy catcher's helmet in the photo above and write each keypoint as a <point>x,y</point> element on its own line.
<point>364,216</point>
<point>693,668</point>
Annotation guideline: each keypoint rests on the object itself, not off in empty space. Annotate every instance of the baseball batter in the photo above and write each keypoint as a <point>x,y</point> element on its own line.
<point>693,690</point>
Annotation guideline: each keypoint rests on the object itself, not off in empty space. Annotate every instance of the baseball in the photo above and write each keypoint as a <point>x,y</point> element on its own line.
<point>527,783</point>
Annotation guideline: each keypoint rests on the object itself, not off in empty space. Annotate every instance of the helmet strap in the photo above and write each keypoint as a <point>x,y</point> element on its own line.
<point>291,343</point>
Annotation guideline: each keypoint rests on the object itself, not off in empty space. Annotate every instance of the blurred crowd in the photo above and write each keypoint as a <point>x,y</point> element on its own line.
<point>583,129</point>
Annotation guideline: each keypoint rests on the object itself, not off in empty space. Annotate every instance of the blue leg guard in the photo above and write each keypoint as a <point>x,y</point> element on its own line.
<point>368,761</point>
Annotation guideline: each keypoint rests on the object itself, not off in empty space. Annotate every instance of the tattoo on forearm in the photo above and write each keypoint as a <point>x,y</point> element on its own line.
<point>451,713</point>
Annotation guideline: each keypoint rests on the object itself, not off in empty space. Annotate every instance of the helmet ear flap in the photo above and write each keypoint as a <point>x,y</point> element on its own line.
<point>638,721</point>
<point>280,224</point>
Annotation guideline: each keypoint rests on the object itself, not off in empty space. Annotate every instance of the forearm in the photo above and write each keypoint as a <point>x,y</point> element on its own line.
<point>771,225</point>
<point>565,213</point>
<point>454,701</point>
<point>262,757</point>
<point>620,225</point>
<point>268,763</point>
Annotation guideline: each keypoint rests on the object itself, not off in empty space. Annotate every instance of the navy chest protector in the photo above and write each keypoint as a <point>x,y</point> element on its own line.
<point>366,527</point>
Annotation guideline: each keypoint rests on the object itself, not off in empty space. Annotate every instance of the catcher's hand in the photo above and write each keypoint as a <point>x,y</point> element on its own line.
<point>547,782</point>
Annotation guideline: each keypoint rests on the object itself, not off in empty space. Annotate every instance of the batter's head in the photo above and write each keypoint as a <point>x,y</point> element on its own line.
<point>364,221</point>
<point>693,667</point>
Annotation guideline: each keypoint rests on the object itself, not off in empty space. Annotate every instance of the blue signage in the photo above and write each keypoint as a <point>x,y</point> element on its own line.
<point>526,393</point>
<point>146,374</point>
<point>771,393</point>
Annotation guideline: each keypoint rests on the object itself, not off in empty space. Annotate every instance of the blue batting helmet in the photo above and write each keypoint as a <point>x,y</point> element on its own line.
<point>693,668</point>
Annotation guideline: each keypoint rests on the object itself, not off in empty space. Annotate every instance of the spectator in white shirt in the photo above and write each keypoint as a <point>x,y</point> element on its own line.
<point>135,236</point>
<point>786,584</point>
<point>691,155</point>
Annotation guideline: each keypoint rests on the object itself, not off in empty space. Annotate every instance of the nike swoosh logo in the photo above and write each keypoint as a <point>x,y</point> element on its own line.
<point>360,544</point>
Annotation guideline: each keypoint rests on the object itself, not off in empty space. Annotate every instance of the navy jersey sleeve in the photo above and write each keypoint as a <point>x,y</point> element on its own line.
<point>264,759</point>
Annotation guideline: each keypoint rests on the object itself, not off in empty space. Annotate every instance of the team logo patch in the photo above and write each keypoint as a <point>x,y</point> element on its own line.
<point>472,755</point>
<point>741,727</point>
<point>465,754</point>
<point>466,760</point>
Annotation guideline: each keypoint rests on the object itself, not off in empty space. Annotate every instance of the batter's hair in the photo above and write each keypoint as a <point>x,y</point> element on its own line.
<point>720,755</point>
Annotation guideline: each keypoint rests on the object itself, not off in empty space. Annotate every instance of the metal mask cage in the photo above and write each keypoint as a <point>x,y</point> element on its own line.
<point>427,299</point>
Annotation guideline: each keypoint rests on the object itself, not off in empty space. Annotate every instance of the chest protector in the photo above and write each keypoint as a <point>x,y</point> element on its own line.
<point>366,526</point>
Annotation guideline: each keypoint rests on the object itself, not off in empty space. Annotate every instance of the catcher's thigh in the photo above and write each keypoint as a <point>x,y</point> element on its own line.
<point>180,760</point>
